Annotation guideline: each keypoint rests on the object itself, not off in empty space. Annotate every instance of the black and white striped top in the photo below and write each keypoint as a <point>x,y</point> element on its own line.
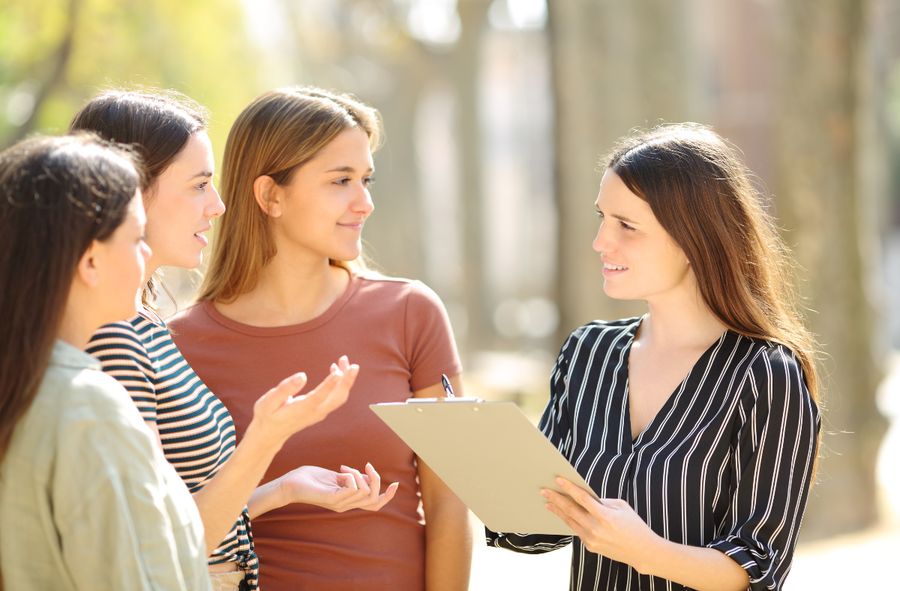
<point>725,464</point>
<point>195,428</point>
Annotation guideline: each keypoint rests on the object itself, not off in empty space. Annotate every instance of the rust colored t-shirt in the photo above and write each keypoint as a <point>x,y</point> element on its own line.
<point>398,332</point>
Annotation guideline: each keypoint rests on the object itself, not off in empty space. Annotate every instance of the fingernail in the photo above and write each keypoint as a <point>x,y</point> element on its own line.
<point>544,493</point>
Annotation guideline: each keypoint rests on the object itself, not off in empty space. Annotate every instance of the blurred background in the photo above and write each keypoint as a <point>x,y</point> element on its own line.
<point>497,114</point>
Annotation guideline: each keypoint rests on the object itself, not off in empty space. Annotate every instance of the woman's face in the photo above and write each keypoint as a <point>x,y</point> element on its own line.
<point>121,266</point>
<point>320,213</point>
<point>640,259</point>
<point>181,205</point>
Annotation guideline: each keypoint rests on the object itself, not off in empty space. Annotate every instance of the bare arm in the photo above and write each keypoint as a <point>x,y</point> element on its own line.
<point>277,415</point>
<point>448,538</point>
<point>336,491</point>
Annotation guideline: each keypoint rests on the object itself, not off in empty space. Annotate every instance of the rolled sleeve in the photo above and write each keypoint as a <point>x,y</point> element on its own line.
<point>773,461</point>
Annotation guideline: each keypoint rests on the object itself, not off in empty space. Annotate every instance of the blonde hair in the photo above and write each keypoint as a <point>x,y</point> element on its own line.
<point>275,135</point>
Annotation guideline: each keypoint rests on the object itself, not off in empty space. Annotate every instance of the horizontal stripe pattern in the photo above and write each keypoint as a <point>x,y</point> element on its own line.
<point>195,428</point>
<point>725,464</point>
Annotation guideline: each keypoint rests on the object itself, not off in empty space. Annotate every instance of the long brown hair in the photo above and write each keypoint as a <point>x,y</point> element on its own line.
<point>700,191</point>
<point>157,124</point>
<point>277,133</point>
<point>57,196</point>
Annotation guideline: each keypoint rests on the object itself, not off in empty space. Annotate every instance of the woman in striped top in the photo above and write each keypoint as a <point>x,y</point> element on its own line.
<point>194,427</point>
<point>696,425</point>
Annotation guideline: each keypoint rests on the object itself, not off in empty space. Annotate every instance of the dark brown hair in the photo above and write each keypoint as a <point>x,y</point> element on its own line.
<point>275,135</point>
<point>57,196</point>
<point>157,124</point>
<point>701,193</point>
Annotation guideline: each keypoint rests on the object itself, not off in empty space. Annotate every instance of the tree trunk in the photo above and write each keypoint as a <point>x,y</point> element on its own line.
<point>821,207</point>
<point>616,66</point>
<point>464,68</point>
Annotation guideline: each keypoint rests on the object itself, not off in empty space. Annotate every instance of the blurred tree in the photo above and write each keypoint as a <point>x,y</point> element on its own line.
<point>57,53</point>
<point>362,47</point>
<point>822,206</point>
<point>463,66</point>
<point>616,66</point>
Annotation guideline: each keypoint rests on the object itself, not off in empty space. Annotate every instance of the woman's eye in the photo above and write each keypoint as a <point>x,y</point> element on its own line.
<point>202,186</point>
<point>367,181</point>
<point>599,214</point>
<point>627,227</point>
<point>342,181</point>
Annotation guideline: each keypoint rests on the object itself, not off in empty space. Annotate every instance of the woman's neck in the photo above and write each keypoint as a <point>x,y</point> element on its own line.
<point>78,322</point>
<point>680,320</point>
<point>288,292</point>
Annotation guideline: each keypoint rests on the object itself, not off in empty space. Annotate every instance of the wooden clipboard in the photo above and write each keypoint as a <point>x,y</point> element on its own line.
<point>489,454</point>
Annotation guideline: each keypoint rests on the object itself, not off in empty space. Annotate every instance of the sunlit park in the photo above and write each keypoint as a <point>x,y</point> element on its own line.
<point>497,115</point>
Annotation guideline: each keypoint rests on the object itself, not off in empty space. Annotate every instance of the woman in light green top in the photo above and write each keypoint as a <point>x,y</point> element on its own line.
<point>86,500</point>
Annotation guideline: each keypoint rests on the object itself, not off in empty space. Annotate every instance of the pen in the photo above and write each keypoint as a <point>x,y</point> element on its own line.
<point>448,389</point>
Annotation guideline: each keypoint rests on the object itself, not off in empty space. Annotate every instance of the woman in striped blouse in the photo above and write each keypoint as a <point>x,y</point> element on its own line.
<point>195,429</point>
<point>696,424</point>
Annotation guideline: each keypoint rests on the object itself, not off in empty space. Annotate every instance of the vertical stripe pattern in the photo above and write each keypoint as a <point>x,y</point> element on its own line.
<point>725,464</point>
<point>195,428</point>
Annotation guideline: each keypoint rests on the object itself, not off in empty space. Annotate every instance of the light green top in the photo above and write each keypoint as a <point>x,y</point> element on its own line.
<point>87,500</point>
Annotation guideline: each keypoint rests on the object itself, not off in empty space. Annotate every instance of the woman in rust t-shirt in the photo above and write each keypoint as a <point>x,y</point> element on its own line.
<point>284,287</point>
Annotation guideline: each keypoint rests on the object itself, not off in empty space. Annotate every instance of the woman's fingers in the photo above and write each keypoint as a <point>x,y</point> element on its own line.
<point>374,481</point>
<point>562,502</point>
<point>386,497</point>
<point>360,480</point>
<point>583,498</point>
<point>335,389</point>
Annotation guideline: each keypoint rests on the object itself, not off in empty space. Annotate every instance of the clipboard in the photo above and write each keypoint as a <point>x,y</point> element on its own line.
<point>489,454</point>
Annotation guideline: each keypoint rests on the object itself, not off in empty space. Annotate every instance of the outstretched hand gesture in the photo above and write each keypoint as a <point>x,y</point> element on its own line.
<point>337,491</point>
<point>280,412</point>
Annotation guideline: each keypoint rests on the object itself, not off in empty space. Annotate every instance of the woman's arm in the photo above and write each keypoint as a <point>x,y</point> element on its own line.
<point>611,527</point>
<point>448,537</point>
<point>336,491</point>
<point>277,415</point>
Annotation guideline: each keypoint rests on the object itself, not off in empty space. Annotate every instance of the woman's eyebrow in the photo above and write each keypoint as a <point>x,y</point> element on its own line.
<point>346,169</point>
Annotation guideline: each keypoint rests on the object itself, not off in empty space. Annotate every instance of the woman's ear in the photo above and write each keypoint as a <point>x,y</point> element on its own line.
<point>267,195</point>
<point>88,269</point>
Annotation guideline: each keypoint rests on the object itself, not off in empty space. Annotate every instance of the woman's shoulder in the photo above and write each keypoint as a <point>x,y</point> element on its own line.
<point>139,330</point>
<point>605,328</point>
<point>395,289</point>
<point>769,358</point>
<point>90,395</point>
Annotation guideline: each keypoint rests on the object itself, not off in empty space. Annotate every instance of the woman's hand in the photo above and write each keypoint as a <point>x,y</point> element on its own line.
<point>279,413</point>
<point>337,491</point>
<point>606,526</point>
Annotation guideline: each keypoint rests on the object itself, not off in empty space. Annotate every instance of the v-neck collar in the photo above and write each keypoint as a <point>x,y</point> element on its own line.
<point>630,440</point>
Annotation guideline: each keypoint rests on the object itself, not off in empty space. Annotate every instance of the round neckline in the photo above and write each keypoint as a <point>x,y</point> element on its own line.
<point>267,331</point>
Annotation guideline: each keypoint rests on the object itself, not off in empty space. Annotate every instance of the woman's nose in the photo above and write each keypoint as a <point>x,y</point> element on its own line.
<point>216,206</point>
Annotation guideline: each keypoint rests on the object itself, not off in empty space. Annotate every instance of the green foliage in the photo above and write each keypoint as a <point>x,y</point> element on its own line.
<point>195,46</point>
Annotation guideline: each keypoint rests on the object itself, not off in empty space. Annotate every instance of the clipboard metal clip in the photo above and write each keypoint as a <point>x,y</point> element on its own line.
<point>468,399</point>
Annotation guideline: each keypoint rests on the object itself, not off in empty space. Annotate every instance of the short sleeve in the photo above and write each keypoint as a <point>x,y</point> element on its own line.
<point>555,425</point>
<point>773,459</point>
<point>123,355</point>
<point>125,519</point>
<point>428,338</point>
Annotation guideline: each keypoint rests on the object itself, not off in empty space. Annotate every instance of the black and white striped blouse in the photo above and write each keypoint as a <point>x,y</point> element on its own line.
<point>195,428</point>
<point>726,463</point>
